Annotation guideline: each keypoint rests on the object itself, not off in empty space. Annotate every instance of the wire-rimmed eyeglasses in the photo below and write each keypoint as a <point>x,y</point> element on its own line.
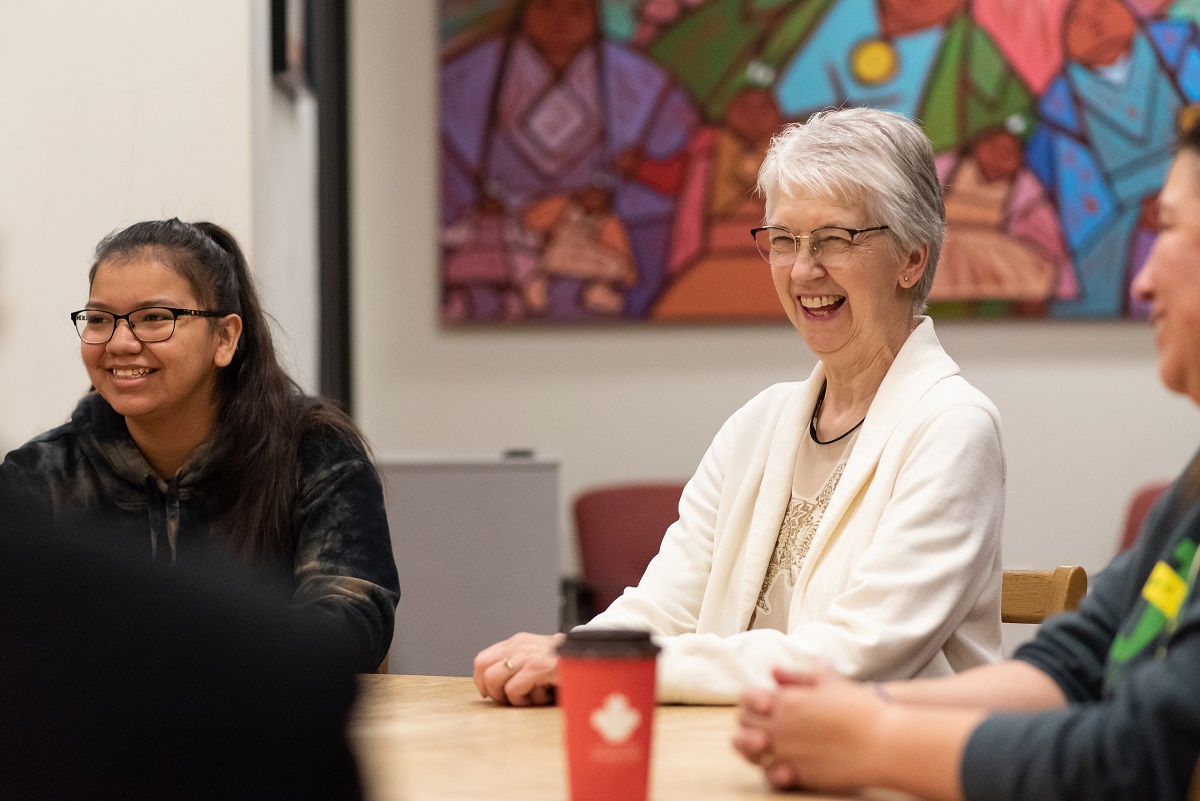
<point>830,244</point>
<point>151,324</point>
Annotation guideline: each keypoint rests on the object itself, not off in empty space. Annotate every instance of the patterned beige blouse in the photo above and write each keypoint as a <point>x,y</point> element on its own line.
<point>818,469</point>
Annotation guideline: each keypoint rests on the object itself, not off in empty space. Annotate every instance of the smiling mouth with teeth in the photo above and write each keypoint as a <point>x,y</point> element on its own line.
<point>821,303</point>
<point>131,373</point>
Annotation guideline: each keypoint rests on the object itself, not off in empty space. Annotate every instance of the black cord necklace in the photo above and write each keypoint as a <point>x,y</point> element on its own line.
<point>812,422</point>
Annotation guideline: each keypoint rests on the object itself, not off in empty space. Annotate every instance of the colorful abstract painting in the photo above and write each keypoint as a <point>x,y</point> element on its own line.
<point>598,157</point>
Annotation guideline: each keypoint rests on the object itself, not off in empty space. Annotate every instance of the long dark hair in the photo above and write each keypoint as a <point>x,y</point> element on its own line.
<point>262,412</point>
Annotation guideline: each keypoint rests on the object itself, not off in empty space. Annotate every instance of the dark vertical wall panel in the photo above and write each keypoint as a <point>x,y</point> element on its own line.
<point>327,30</point>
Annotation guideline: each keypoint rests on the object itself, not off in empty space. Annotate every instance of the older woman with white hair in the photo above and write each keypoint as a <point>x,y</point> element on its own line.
<point>1104,702</point>
<point>851,519</point>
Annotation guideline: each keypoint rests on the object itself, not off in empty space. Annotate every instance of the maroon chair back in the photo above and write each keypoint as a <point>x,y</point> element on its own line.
<point>1143,499</point>
<point>620,529</point>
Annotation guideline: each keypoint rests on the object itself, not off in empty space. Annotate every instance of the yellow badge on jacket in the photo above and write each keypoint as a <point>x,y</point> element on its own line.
<point>1165,590</point>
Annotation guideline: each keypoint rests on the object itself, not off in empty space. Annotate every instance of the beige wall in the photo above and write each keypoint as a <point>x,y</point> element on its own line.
<point>283,130</point>
<point>126,110</point>
<point>1086,419</point>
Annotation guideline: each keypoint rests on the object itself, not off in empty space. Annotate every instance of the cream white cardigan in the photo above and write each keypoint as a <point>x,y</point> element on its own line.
<point>903,575</point>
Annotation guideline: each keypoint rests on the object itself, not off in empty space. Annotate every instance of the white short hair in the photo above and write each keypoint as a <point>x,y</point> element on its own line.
<point>878,158</point>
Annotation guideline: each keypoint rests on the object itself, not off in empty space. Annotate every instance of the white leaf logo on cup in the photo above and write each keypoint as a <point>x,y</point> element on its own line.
<point>616,720</point>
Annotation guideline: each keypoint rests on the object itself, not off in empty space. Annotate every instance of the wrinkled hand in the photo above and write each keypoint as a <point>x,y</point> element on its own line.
<point>816,730</point>
<point>521,670</point>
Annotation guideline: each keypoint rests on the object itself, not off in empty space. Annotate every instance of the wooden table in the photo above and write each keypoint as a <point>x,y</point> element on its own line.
<point>432,738</point>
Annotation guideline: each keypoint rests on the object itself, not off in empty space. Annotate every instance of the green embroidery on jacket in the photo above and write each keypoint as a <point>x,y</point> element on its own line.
<point>1153,620</point>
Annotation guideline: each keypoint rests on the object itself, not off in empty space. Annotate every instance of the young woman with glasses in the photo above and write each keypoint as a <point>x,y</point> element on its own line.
<point>195,436</point>
<point>853,517</point>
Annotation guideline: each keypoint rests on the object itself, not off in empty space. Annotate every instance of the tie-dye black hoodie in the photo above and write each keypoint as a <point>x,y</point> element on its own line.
<point>96,483</point>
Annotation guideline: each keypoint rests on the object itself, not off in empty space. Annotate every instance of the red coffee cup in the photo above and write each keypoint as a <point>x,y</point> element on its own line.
<point>606,691</point>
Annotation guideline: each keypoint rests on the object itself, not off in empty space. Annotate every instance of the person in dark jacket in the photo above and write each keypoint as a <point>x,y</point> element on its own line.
<point>1104,702</point>
<point>122,678</point>
<point>195,438</point>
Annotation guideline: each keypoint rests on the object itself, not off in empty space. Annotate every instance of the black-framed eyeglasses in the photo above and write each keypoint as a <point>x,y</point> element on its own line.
<point>151,324</point>
<point>831,244</point>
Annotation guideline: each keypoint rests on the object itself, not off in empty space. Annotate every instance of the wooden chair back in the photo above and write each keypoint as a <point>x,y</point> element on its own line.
<point>1031,596</point>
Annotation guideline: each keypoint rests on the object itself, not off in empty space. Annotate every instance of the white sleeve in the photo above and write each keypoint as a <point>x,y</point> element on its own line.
<point>933,552</point>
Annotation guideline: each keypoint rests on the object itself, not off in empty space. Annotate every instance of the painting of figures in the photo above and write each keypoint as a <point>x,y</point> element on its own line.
<point>599,157</point>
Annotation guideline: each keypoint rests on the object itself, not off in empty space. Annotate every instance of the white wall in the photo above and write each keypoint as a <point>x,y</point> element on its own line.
<point>1086,419</point>
<point>284,170</point>
<point>126,110</point>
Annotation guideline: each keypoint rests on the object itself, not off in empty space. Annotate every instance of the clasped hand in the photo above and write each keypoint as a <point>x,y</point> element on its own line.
<point>815,730</point>
<point>522,670</point>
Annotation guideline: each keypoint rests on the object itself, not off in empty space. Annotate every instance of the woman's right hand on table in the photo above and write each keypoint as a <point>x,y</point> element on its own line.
<point>521,671</point>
